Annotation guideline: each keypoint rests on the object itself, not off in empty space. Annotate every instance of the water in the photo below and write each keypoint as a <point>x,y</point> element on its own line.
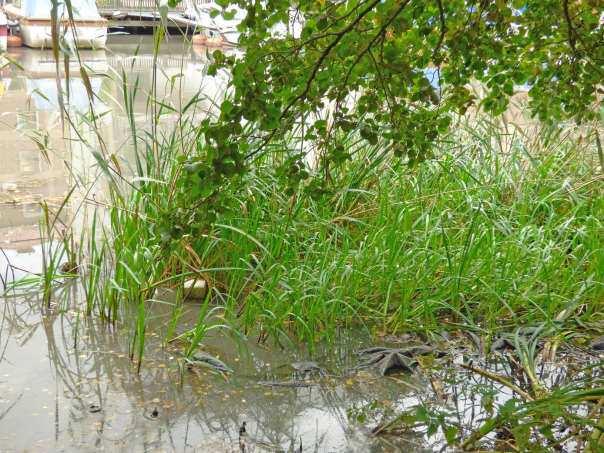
<point>43,155</point>
<point>67,382</point>
<point>67,392</point>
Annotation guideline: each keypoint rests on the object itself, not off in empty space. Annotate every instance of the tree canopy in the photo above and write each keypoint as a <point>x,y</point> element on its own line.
<point>408,63</point>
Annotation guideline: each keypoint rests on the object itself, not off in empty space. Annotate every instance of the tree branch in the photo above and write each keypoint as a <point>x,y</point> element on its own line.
<point>569,24</point>
<point>381,31</point>
<point>500,379</point>
<point>443,31</point>
<point>324,54</point>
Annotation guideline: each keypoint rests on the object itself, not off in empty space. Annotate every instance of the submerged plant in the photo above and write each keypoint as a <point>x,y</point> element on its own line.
<point>518,401</point>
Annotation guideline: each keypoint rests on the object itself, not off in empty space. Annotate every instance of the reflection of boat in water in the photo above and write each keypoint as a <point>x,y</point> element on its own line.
<point>87,30</point>
<point>41,63</point>
<point>38,69</point>
<point>39,112</point>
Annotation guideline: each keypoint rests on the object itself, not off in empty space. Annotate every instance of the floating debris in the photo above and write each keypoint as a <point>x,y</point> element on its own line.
<point>290,383</point>
<point>195,289</point>
<point>242,438</point>
<point>392,360</point>
<point>94,408</point>
<point>206,360</point>
<point>307,367</point>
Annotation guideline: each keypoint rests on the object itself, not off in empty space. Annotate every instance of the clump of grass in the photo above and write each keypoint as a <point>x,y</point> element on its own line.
<point>499,229</point>
<point>480,236</point>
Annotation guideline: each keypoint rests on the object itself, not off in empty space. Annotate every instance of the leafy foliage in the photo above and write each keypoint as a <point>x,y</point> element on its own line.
<point>397,70</point>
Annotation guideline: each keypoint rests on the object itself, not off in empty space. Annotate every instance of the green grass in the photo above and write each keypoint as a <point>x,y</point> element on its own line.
<point>473,237</point>
<point>478,236</point>
<point>497,229</point>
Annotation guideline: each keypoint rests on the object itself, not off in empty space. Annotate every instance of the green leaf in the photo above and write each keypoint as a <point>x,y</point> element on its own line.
<point>451,434</point>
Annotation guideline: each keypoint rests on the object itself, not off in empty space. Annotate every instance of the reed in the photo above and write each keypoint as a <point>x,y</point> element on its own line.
<point>499,228</point>
<point>477,237</point>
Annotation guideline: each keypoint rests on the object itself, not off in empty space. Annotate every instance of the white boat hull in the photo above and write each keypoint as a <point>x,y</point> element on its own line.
<point>36,32</point>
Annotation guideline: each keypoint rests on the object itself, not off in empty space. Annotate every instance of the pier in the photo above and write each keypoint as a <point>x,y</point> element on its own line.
<point>189,15</point>
<point>145,14</point>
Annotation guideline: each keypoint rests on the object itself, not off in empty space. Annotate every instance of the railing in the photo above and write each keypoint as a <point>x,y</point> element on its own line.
<point>145,62</point>
<point>132,6</point>
<point>126,5</point>
<point>135,5</point>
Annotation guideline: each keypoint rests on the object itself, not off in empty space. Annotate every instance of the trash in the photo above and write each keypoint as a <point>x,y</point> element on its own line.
<point>94,408</point>
<point>195,288</point>
<point>391,360</point>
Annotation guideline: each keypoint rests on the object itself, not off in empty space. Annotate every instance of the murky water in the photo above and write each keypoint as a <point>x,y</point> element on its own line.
<point>67,382</point>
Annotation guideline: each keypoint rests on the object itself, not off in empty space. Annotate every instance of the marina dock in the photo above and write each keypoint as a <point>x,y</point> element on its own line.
<point>145,14</point>
<point>93,20</point>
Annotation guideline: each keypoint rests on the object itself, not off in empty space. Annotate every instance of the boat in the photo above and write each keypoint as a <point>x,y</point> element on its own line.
<point>88,29</point>
<point>39,64</point>
<point>217,31</point>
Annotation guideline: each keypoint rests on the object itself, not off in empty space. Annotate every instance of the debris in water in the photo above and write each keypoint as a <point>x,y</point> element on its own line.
<point>69,267</point>
<point>506,341</point>
<point>94,408</point>
<point>242,435</point>
<point>203,359</point>
<point>502,344</point>
<point>308,368</point>
<point>391,360</point>
<point>195,288</point>
<point>293,383</point>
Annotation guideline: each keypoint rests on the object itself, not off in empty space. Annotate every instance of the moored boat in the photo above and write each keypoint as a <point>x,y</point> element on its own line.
<point>87,30</point>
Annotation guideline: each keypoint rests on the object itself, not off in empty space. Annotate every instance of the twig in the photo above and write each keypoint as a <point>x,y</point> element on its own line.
<point>443,30</point>
<point>569,25</point>
<point>367,48</point>
<point>314,72</point>
<point>325,54</point>
<point>500,379</point>
<point>600,152</point>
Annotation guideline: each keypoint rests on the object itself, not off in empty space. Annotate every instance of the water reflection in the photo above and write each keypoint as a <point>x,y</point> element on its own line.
<point>70,381</point>
<point>52,128</point>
